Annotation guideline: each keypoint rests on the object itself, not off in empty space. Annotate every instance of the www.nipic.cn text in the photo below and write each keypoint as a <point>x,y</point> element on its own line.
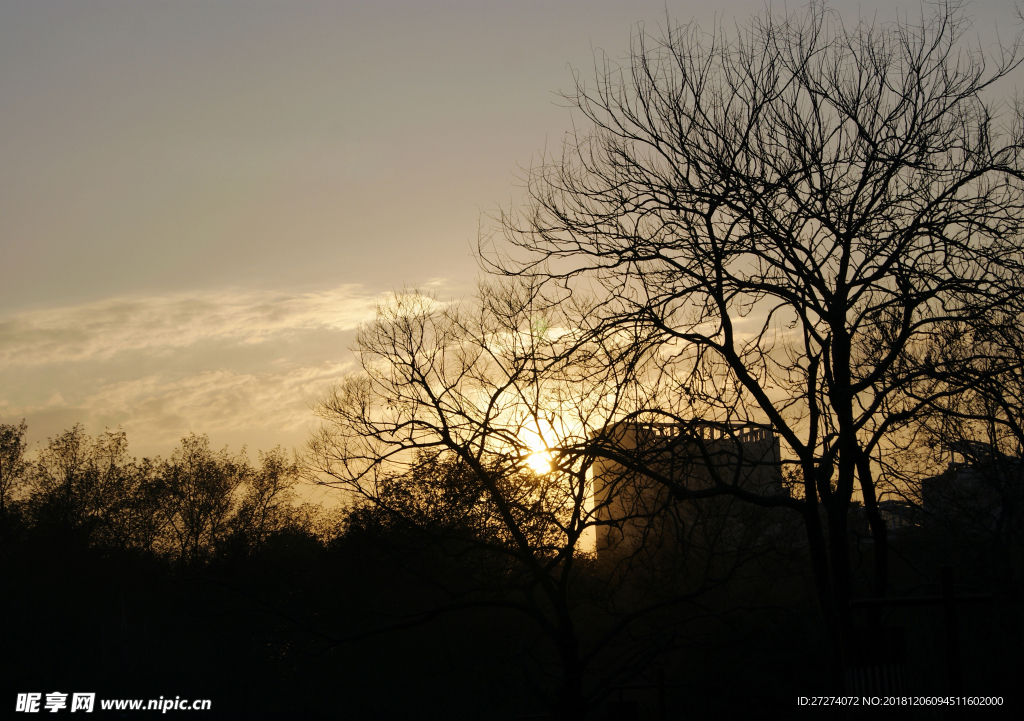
<point>86,702</point>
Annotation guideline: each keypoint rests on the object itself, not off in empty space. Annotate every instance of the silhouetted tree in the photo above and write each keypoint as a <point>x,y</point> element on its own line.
<point>466,430</point>
<point>267,500</point>
<point>965,469</point>
<point>199,497</point>
<point>68,482</point>
<point>92,487</point>
<point>96,592</point>
<point>13,465</point>
<point>788,214</point>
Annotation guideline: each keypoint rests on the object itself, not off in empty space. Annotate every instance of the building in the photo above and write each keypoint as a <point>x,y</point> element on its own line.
<point>979,494</point>
<point>640,512</point>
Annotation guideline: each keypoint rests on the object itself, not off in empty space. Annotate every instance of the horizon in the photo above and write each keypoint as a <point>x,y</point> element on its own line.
<point>204,201</point>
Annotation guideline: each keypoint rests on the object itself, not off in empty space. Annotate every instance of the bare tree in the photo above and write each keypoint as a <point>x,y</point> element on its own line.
<point>964,471</point>
<point>467,426</point>
<point>790,212</point>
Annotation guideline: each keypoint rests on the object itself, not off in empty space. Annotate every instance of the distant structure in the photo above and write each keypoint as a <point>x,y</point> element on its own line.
<point>899,516</point>
<point>982,492</point>
<point>640,513</point>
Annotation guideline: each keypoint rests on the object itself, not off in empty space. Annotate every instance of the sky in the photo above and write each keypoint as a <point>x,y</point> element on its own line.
<point>201,200</point>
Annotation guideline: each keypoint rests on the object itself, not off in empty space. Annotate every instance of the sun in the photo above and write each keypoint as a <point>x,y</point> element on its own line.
<point>540,460</point>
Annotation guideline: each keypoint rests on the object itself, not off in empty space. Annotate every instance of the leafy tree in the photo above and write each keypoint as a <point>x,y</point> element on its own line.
<point>68,484</point>
<point>13,466</point>
<point>92,487</point>
<point>128,500</point>
<point>199,497</point>
<point>267,499</point>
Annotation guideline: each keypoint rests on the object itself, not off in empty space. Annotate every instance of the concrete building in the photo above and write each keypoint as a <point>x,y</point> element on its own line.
<point>641,512</point>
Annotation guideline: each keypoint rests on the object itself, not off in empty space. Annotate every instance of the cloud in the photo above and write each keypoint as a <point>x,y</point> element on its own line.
<point>103,329</point>
<point>245,367</point>
<point>224,400</point>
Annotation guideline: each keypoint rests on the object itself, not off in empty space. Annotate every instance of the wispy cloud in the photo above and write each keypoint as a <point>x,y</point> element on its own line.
<point>101,330</point>
<point>221,400</point>
<point>245,367</point>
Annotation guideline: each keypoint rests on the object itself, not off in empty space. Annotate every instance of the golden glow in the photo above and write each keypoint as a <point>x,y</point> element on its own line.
<point>539,458</point>
<point>539,461</point>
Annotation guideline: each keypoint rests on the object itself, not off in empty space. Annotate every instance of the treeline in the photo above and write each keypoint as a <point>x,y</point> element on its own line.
<point>201,575</point>
<point>188,508</point>
<point>141,578</point>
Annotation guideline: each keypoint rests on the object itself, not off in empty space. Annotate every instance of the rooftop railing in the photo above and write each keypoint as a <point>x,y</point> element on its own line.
<point>742,432</point>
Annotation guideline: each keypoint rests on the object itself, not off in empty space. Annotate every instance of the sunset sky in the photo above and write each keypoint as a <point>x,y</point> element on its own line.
<point>201,200</point>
